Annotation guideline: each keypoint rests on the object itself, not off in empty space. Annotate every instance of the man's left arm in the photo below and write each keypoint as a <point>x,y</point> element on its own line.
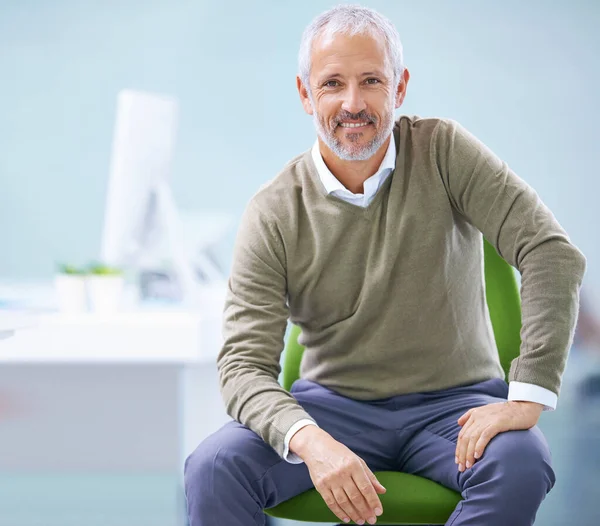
<point>513,218</point>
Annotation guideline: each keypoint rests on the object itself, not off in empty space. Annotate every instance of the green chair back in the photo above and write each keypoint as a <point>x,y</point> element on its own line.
<point>411,499</point>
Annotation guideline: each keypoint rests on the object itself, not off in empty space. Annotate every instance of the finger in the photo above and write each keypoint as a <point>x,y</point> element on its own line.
<point>358,500</point>
<point>333,505</point>
<point>379,488</point>
<point>484,439</point>
<point>463,419</point>
<point>469,457</point>
<point>462,444</point>
<point>345,503</point>
<point>461,434</point>
<point>367,486</point>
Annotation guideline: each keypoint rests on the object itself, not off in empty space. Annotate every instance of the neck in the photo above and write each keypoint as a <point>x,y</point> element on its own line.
<point>352,174</point>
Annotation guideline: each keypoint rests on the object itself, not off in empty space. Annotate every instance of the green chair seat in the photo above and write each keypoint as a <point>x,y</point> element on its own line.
<point>411,499</point>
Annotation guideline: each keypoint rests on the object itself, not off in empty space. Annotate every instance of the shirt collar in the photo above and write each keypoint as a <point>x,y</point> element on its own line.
<point>332,184</point>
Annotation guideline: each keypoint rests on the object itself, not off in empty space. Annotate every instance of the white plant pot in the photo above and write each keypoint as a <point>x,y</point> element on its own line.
<point>71,293</point>
<point>105,293</point>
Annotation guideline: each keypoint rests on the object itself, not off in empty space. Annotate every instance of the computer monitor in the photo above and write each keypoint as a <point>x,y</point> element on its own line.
<point>142,226</point>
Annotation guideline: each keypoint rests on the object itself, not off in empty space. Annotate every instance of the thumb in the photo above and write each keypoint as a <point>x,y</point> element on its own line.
<point>463,419</point>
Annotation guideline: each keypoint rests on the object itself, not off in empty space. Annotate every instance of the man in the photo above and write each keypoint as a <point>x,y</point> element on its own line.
<point>372,243</point>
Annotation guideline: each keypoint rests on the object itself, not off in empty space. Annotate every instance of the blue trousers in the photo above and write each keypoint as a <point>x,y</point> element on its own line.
<point>233,475</point>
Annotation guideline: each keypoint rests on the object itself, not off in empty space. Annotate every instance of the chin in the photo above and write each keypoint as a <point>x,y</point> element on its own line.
<point>363,153</point>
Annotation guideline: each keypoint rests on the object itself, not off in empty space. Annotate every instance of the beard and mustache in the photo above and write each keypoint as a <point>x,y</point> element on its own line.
<point>355,151</point>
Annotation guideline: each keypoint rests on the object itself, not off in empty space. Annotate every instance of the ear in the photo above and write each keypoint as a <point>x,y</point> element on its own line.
<point>401,88</point>
<point>304,98</point>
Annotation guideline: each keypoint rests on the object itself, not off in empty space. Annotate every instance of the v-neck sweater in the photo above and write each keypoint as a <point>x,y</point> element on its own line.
<point>390,297</point>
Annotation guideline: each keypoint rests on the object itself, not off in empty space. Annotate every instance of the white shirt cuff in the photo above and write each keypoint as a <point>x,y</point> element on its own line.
<point>292,458</point>
<point>522,392</point>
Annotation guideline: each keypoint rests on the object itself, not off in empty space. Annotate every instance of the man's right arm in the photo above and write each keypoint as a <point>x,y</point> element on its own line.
<point>255,319</point>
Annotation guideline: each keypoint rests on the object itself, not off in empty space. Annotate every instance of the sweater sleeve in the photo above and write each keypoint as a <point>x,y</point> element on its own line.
<point>525,233</point>
<point>255,319</point>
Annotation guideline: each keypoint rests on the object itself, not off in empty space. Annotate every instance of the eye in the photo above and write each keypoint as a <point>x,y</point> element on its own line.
<point>331,84</point>
<point>372,80</point>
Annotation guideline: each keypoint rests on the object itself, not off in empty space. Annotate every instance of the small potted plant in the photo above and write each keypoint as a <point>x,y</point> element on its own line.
<point>105,285</point>
<point>69,284</point>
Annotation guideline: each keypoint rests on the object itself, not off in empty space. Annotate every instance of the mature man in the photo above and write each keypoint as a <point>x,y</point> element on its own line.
<point>372,243</point>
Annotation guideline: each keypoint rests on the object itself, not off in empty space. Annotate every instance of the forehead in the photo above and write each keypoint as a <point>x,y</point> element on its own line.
<point>341,51</point>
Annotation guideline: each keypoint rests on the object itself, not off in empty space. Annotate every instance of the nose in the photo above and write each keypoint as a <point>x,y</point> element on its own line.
<point>354,101</point>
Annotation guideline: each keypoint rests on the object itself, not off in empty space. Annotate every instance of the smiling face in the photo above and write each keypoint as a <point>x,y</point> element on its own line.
<point>352,94</point>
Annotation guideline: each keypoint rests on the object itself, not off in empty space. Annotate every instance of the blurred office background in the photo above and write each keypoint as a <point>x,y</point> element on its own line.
<point>522,76</point>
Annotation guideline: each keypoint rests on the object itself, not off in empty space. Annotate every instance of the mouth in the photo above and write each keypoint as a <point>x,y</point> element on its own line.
<point>351,125</point>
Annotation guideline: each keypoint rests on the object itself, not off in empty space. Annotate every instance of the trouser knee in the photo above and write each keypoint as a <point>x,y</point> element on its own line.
<point>228,462</point>
<point>519,463</point>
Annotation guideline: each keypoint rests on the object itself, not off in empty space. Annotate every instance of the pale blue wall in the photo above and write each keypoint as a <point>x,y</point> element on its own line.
<point>523,76</point>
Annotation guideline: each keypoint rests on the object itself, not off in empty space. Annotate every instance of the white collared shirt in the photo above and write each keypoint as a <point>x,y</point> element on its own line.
<point>371,185</point>
<point>516,391</point>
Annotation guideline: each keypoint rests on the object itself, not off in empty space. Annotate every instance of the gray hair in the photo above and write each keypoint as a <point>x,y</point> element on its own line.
<point>350,20</point>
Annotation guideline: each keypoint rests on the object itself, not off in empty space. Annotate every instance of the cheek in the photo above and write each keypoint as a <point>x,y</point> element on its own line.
<point>379,103</point>
<point>327,106</point>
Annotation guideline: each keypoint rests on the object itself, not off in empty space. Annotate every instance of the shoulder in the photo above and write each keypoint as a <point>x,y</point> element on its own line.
<point>280,194</point>
<point>422,129</point>
<point>270,215</point>
<point>438,137</point>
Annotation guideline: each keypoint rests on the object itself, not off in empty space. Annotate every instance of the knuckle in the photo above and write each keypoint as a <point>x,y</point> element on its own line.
<point>366,505</point>
<point>337,475</point>
<point>322,482</point>
<point>360,503</point>
<point>374,503</point>
<point>355,498</point>
<point>369,494</point>
<point>330,501</point>
<point>342,500</point>
<point>349,462</point>
<point>363,487</point>
<point>352,495</point>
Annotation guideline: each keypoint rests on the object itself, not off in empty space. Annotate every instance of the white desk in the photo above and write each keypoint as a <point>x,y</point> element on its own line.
<point>163,336</point>
<point>131,392</point>
<point>12,322</point>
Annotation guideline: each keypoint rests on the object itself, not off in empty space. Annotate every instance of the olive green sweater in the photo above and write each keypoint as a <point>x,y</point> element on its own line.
<point>390,298</point>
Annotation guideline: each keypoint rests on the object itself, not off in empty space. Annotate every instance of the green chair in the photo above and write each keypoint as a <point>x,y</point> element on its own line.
<point>411,499</point>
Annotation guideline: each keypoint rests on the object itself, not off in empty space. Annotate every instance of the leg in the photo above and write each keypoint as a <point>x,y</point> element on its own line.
<point>505,486</point>
<point>233,475</point>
